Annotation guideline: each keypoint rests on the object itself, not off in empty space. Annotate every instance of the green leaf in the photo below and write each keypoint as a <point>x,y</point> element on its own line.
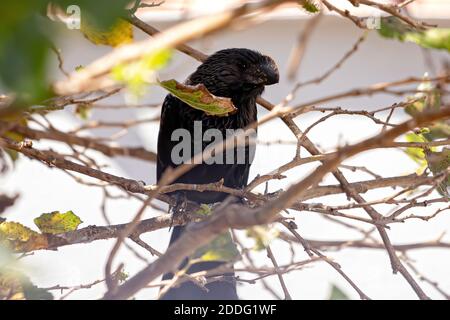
<point>416,154</point>
<point>428,98</point>
<point>121,276</point>
<point>309,6</point>
<point>204,210</point>
<point>83,111</point>
<point>337,294</point>
<point>435,38</point>
<point>56,222</point>
<point>439,162</point>
<point>198,97</point>
<point>222,248</point>
<point>439,130</point>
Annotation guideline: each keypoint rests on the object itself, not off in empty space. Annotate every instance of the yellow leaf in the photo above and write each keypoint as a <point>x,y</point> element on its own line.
<point>20,238</point>
<point>56,222</point>
<point>119,33</point>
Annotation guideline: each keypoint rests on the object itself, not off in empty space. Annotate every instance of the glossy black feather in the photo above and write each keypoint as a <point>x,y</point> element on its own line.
<point>241,75</point>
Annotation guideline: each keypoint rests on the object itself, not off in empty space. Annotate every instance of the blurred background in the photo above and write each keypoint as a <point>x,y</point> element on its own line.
<point>377,60</point>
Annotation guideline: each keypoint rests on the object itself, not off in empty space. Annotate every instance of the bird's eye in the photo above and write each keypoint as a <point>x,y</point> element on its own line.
<point>243,65</point>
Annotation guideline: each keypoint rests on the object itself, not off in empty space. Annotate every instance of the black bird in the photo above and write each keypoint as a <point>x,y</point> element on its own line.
<point>239,74</point>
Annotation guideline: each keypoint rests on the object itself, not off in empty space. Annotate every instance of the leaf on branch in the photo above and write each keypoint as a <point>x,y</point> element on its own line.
<point>416,154</point>
<point>198,97</point>
<point>204,210</point>
<point>435,38</point>
<point>119,33</point>
<point>83,110</point>
<point>262,235</point>
<point>439,162</point>
<point>337,294</point>
<point>14,136</point>
<point>428,98</point>
<point>309,6</point>
<point>222,248</point>
<point>56,222</point>
<point>17,237</point>
<point>121,276</point>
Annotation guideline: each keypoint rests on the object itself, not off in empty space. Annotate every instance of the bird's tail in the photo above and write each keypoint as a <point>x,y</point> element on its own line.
<point>223,289</point>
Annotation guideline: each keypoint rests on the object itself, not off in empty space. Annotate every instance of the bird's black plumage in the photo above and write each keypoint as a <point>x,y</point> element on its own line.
<point>241,75</point>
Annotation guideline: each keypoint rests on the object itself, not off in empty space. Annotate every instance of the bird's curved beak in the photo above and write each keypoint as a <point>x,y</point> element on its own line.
<point>270,71</point>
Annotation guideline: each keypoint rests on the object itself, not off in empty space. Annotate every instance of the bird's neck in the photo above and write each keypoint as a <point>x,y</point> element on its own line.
<point>246,105</point>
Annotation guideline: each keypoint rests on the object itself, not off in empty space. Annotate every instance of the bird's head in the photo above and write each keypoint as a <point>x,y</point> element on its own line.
<point>236,71</point>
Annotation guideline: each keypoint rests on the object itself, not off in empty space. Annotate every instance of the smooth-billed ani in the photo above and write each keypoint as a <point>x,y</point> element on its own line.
<point>239,74</point>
